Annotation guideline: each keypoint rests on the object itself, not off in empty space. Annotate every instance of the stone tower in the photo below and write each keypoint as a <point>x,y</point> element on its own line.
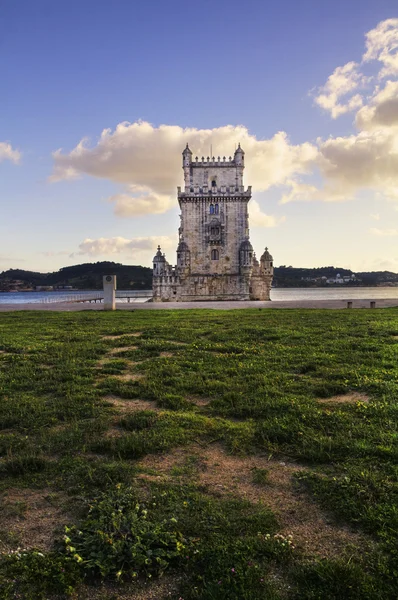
<point>215,259</point>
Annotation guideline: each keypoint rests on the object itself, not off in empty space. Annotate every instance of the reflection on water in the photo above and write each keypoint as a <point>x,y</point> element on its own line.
<point>346,293</point>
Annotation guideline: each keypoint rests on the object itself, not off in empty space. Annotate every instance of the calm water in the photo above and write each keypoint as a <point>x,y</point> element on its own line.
<point>350,293</point>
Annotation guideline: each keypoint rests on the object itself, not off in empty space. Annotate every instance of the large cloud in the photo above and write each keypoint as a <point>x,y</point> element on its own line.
<point>342,82</point>
<point>7,152</point>
<point>339,94</point>
<point>120,245</point>
<point>148,161</point>
<point>382,110</point>
<point>367,160</point>
<point>260,219</point>
<point>382,45</point>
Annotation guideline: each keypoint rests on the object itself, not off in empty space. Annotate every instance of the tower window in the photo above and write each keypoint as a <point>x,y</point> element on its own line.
<point>212,209</point>
<point>214,255</point>
<point>214,183</point>
<point>216,210</point>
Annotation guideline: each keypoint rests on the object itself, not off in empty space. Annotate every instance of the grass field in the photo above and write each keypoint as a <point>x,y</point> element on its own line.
<point>185,455</point>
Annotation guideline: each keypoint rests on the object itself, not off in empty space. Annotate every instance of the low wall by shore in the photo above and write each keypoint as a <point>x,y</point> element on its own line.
<point>281,304</point>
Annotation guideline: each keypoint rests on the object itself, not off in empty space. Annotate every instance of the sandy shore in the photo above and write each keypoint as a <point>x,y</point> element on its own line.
<point>78,306</point>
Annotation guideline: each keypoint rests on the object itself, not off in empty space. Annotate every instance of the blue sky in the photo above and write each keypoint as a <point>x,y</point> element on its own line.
<point>324,193</point>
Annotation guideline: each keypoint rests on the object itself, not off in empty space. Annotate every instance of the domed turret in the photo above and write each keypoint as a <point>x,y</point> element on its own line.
<point>159,262</point>
<point>187,156</point>
<point>266,256</point>
<point>239,156</point>
<point>267,261</point>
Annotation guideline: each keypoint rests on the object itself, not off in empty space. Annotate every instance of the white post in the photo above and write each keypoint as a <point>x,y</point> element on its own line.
<point>109,292</point>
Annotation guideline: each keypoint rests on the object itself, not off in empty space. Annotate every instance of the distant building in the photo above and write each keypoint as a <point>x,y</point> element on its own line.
<point>341,280</point>
<point>215,259</point>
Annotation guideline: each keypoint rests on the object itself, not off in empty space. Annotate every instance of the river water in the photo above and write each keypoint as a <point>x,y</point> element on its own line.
<point>343,293</point>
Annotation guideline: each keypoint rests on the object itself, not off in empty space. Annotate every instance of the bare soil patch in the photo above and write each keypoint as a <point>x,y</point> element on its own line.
<point>313,530</point>
<point>197,401</point>
<point>155,590</point>
<point>130,377</point>
<point>32,516</point>
<point>351,398</point>
<point>121,349</point>
<point>121,335</point>
<point>126,406</point>
<point>166,354</point>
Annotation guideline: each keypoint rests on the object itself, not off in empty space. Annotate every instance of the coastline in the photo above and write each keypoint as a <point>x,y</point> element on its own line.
<point>222,305</point>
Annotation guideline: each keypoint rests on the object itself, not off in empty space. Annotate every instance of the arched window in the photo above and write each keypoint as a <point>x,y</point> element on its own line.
<point>212,209</point>
<point>214,255</point>
<point>216,211</point>
<point>214,183</point>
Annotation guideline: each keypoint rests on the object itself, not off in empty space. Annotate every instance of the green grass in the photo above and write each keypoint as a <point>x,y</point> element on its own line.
<point>262,374</point>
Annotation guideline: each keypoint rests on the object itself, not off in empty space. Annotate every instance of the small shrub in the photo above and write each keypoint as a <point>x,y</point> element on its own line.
<point>260,476</point>
<point>117,539</point>
<point>34,575</point>
<point>173,402</point>
<point>22,465</point>
<point>142,419</point>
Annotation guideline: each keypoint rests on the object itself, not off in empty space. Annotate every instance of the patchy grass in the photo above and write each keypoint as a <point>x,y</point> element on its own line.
<point>261,451</point>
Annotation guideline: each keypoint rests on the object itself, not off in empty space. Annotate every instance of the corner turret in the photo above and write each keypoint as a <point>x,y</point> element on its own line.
<point>239,156</point>
<point>159,263</point>
<point>267,263</point>
<point>186,156</point>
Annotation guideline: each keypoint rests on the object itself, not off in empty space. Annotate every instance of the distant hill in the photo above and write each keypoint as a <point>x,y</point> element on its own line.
<point>87,276</point>
<point>301,277</point>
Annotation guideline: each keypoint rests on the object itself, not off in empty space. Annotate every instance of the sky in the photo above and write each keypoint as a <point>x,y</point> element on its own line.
<point>98,99</point>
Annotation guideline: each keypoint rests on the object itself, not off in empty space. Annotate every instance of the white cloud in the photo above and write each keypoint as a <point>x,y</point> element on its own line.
<point>7,152</point>
<point>306,192</point>
<point>383,232</point>
<point>342,82</point>
<point>367,160</point>
<point>148,161</point>
<point>337,95</point>
<point>120,245</point>
<point>260,219</point>
<point>375,217</point>
<point>382,110</point>
<point>141,201</point>
<point>382,45</point>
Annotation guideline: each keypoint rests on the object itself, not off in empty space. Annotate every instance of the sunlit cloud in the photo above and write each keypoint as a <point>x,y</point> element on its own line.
<point>7,152</point>
<point>384,232</point>
<point>120,245</point>
<point>147,160</point>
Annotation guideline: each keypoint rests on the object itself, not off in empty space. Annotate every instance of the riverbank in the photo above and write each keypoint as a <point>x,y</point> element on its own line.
<point>280,304</point>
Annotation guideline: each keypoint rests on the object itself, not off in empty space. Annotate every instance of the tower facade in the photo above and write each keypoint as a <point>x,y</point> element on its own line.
<point>215,259</point>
